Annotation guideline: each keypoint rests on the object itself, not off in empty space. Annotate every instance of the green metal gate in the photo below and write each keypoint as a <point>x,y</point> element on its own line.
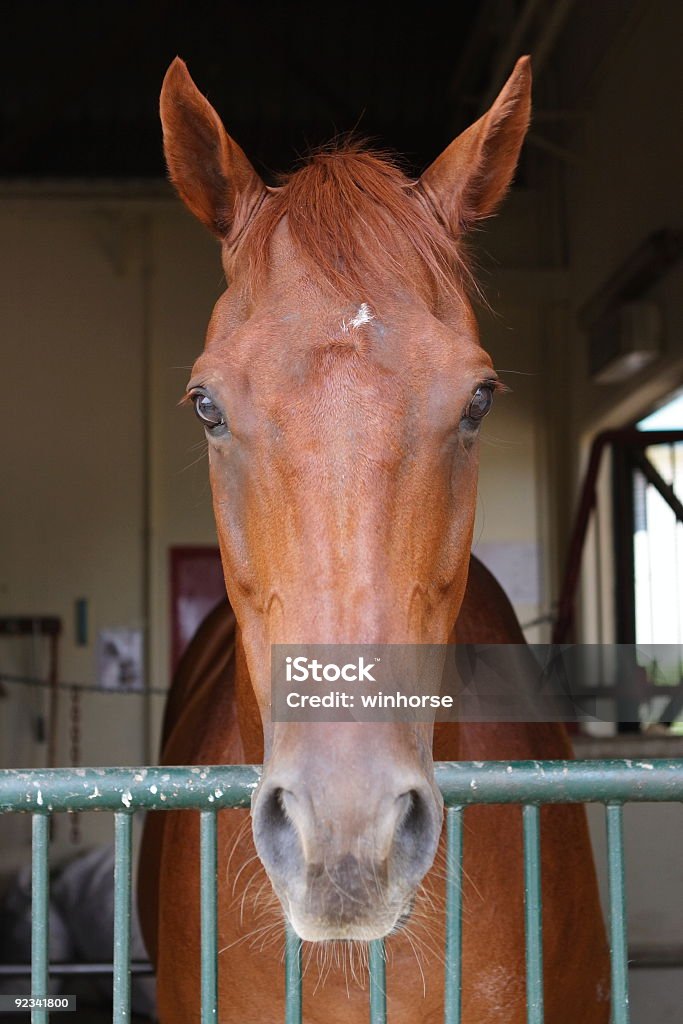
<point>208,790</point>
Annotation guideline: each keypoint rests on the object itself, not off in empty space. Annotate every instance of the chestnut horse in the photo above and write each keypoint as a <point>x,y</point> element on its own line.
<point>341,390</point>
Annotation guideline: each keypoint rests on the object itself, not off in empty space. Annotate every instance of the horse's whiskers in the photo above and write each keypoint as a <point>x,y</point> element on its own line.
<point>202,455</point>
<point>265,900</point>
<point>417,960</point>
<point>240,835</point>
<point>412,935</point>
<point>242,869</point>
<point>254,933</point>
<point>244,896</point>
<point>424,896</point>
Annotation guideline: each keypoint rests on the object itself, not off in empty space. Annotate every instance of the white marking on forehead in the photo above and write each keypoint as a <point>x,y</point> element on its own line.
<point>362,316</point>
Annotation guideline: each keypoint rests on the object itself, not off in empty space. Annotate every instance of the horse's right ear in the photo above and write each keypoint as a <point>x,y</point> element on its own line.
<point>209,170</point>
<point>470,178</point>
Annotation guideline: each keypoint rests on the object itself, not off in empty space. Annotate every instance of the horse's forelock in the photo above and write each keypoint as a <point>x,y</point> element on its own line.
<point>344,208</point>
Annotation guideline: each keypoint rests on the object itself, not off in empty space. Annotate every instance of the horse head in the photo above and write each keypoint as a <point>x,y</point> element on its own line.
<point>341,389</point>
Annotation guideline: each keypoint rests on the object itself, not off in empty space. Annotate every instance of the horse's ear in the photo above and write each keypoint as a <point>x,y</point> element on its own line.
<point>472,175</point>
<point>209,170</point>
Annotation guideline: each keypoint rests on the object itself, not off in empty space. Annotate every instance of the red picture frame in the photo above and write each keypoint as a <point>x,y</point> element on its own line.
<point>197,586</point>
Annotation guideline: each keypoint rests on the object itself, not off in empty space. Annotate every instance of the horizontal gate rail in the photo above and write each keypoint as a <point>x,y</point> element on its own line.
<point>210,789</point>
<point>91,969</point>
<point>461,783</point>
<point>127,789</point>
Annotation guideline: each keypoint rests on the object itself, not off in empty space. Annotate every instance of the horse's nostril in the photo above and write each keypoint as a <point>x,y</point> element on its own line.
<point>272,809</point>
<point>416,837</point>
<point>411,820</point>
<point>275,834</point>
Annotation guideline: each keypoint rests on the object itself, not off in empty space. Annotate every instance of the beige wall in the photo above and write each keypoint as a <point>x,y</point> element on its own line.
<point>103,307</point>
<point>70,424</point>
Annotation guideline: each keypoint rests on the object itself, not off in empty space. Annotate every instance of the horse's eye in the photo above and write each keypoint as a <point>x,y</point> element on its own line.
<point>207,411</point>
<point>480,404</point>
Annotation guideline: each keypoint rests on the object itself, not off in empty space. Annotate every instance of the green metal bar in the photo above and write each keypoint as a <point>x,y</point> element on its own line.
<point>123,847</point>
<point>552,782</point>
<point>293,998</point>
<point>617,914</point>
<point>40,838</point>
<point>118,789</point>
<point>208,870</point>
<point>454,850</point>
<point>533,910</point>
<point>495,782</point>
<point>378,982</point>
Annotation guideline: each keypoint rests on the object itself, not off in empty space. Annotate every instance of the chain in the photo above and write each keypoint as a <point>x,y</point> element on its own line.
<point>75,751</point>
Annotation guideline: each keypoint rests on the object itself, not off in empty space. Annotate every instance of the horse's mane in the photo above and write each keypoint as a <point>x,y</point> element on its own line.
<point>344,208</point>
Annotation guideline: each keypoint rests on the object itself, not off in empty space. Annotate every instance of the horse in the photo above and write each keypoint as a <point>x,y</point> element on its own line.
<point>341,390</point>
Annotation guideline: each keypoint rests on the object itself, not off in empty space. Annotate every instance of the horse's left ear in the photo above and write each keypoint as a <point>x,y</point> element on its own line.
<point>209,170</point>
<point>472,175</point>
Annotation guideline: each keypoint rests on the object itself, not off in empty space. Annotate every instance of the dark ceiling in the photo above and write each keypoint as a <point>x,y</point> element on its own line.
<point>79,81</point>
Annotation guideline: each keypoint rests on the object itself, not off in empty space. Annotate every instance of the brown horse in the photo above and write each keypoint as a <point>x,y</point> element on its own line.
<point>341,389</point>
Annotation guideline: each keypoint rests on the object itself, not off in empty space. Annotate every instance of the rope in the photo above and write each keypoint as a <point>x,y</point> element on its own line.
<point>81,687</point>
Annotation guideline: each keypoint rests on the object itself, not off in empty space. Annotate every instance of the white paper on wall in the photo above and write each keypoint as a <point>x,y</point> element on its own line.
<point>516,566</point>
<point>119,659</point>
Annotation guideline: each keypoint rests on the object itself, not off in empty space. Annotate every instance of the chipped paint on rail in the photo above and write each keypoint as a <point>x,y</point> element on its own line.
<point>128,789</point>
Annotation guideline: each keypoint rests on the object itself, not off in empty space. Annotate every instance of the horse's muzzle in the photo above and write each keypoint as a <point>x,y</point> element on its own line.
<point>346,868</point>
